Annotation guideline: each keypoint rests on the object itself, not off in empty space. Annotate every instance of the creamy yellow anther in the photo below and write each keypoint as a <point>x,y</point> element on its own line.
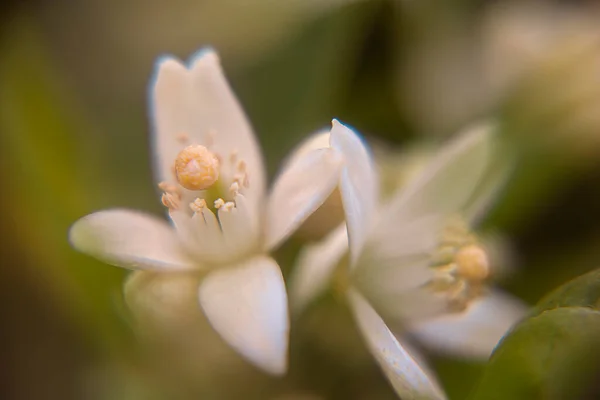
<point>196,168</point>
<point>198,205</point>
<point>472,263</point>
<point>170,201</point>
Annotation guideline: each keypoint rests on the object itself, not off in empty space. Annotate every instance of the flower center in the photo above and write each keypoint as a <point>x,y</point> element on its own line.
<point>461,266</point>
<point>196,168</point>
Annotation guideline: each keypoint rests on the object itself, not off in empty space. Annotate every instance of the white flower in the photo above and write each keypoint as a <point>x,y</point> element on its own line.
<point>413,259</point>
<point>206,154</point>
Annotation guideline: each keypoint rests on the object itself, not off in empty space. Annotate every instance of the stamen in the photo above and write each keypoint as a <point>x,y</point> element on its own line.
<point>170,201</point>
<point>234,189</point>
<point>219,203</point>
<point>196,168</point>
<point>241,179</point>
<point>198,205</point>
<point>461,266</point>
<point>169,188</point>
<point>230,205</point>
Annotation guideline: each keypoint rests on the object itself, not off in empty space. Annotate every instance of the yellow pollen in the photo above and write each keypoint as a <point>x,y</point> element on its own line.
<point>472,263</point>
<point>219,203</point>
<point>230,205</point>
<point>198,205</point>
<point>196,168</point>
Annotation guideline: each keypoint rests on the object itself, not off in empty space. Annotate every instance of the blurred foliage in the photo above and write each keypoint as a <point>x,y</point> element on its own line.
<point>74,139</point>
<point>552,354</point>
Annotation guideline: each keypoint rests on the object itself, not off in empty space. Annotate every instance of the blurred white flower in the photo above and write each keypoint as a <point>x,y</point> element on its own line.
<point>210,170</point>
<point>414,259</point>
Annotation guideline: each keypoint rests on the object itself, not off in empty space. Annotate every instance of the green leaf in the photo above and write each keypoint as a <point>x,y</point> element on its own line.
<point>583,291</point>
<point>552,355</point>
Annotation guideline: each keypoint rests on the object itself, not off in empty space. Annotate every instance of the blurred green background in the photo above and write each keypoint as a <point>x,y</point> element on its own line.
<point>74,139</point>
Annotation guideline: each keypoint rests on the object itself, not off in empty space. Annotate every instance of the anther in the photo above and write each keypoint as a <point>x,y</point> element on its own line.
<point>198,205</point>
<point>234,189</point>
<point>196,168</point>
<point>230,205</point>
<point>219,203</point>
<point>169,188</point>
<point>170,201</point>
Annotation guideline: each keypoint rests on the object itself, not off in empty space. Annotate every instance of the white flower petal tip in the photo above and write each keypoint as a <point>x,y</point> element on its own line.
<point>474,333</point>
<point>204,55</point>
<point>129,239</point>
<point>301,188</point>
<point>168,63</point>
<point>409,379</point>
<point>316,141</point>
<point>449,181</point>
<point>247,305</point>
<point>359,185</point>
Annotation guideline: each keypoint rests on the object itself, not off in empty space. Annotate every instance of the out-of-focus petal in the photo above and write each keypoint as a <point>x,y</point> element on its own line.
<point>299,190</point>
<point>359,186</point>
<point>475,332</point>
<point>247,305</point>
<point>403,243</point>
<point>217,115</point>
<point>315,266</point>
<point>318,140</point>
<point>170,112</point>
<point>130,239</point>
<point>409,379</point>
<point>447,183</point>
<point>406,303</point>
<point>165,300</point>
<point>489,190</point>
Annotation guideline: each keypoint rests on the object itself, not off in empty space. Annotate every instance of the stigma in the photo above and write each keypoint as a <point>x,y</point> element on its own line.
<point>196,168</point>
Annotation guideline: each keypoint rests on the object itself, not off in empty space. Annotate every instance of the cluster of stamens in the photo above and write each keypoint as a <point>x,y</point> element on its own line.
<point>196,168</point>
<point>461,266</point>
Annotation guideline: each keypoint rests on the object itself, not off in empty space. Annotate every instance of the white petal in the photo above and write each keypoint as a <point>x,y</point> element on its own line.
<point>409,379</point>
<point>490,188</point>
<point>217,112</point>
<point>447,183</point>
<point>475,332</point>
<point>299,190</point>
<point>318,140</point>
<point>239,228</point>
<point>247,305</point>
<point>315,266</point>
<point>403,304</point>
<point>170,113</point>
<point>359,186</point>
<point>129,239</point>
<point>210,243</point>
<point>404,242</point>
<point>390,281</point>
